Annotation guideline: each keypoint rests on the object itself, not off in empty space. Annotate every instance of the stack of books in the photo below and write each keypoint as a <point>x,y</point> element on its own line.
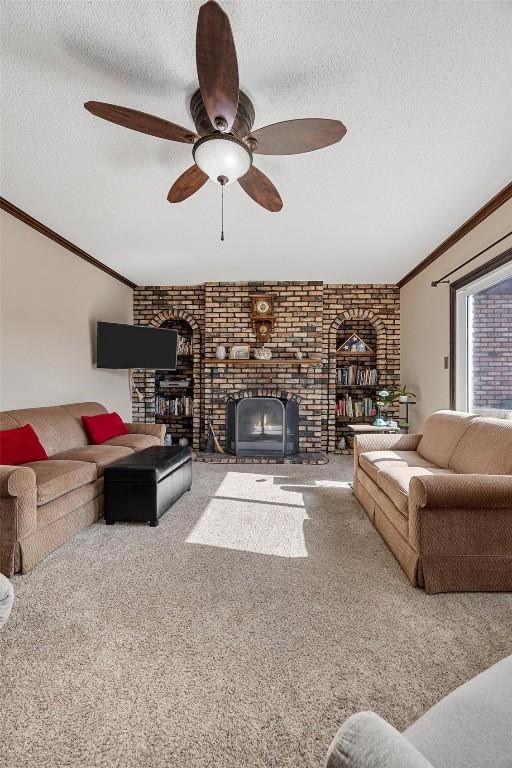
<point>173,406</point>
<point>348,375</point>
<point>349,408</point>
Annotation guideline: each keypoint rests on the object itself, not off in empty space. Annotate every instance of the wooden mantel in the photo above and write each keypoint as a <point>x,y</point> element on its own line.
<point>212,362</point>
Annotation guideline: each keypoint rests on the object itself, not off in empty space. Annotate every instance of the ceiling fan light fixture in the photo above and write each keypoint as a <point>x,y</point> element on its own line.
<point>222,156</point>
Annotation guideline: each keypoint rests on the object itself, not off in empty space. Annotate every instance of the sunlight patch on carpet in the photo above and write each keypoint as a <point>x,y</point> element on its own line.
<point>259,487</point>
<point>249,513</point>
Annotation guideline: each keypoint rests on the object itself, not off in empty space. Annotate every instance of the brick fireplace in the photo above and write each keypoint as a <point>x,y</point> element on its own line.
<point>309,316</point>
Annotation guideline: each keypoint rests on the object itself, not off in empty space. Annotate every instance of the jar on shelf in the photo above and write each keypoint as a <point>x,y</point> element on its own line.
<point>262,353</point>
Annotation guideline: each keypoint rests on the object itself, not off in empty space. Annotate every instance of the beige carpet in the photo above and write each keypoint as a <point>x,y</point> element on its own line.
<point>239,633</point>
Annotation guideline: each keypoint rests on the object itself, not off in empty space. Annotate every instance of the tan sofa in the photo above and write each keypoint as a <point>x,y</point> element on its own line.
<point>45,503</point>
<point>442,500</point>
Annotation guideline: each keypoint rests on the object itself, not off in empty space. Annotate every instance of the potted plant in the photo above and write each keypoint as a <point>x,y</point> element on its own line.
<point>402,394</point>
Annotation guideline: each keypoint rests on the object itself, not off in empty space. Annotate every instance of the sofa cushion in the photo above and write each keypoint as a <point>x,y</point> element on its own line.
<point>99,455</point>
<point>135,442</point>
<point>379,501</point>
<point>7,421</point>
<point>395,515</point>
<point>441,433</point>
<point>55,478</point>
<point>47,514</point>
<point>373,461</point>
<point>395,482</point>
<point>20,445</point>
<point>56,427</point>
<point>485,448</point>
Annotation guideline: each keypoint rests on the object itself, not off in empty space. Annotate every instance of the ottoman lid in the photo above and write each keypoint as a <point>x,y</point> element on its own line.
<point>148,466</point>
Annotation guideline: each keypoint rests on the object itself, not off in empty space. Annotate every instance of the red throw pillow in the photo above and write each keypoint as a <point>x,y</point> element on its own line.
<point>20,446</point>
<point>103,427</point>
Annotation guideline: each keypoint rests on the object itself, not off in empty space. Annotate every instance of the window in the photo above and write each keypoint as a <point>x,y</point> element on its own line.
<point>483,342</point>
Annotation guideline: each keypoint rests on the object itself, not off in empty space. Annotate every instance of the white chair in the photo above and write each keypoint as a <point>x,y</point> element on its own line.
<point>6,598</point>
<point>471,727</point>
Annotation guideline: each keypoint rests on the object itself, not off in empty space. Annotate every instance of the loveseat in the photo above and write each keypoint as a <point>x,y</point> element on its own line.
<point>469,728</point>
<point>442,500</point>
<point>44,503</point>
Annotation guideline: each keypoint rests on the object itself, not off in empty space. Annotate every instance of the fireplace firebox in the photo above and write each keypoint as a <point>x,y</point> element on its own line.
<point>262,426</point>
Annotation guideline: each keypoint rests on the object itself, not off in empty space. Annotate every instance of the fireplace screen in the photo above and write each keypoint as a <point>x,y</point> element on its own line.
<point>262,426</point>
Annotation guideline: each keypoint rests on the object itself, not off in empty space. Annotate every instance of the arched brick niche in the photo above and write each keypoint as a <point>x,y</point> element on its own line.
<point>144,409</point>
<point>387,362</point>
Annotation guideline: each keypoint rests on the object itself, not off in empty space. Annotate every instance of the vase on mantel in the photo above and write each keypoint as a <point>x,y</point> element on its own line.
<point>220,352</point>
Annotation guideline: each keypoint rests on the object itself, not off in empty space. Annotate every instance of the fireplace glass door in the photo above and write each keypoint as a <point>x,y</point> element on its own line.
<point>260,426</point>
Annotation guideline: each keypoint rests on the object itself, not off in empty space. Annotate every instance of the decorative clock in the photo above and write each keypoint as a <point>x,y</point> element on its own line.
<point>262,317</point>
<point>262,307</point>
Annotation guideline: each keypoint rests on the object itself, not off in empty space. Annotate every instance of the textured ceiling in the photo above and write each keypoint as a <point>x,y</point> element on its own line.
<point>422,88</point>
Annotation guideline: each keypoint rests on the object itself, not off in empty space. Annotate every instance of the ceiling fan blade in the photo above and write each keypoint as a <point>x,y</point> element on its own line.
<point>292,137</point>
<point>260,188</point>
<point>188,183</point>
<point>140,121</point>
<point>217,67</point>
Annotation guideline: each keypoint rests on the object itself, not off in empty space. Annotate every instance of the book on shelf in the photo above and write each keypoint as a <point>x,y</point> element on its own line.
<point>350,375</point>
<point>351,408</point>
<point>184,345</point>
<point>173,406</point>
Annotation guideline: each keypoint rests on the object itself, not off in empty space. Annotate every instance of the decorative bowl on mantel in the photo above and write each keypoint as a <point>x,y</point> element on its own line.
<point>262,353</point>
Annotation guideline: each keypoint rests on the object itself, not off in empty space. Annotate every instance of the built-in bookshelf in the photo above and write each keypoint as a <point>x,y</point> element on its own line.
<point>357,378</point>
<point>174,390</point>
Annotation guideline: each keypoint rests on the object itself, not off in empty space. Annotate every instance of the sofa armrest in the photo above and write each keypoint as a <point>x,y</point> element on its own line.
<point>16,481</point>
<point>461,492</point>
<point>18,512</point>
<point>156,430</point>
<point>461,527</point>
<point>366,740</point>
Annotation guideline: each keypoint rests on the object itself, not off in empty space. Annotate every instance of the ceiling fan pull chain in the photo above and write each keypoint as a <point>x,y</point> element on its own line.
<point>223,180</point>
<point>222,213</point>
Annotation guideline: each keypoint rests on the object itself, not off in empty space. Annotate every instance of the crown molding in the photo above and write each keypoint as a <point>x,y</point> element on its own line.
<point>5,205</point>
<point>477,218</point>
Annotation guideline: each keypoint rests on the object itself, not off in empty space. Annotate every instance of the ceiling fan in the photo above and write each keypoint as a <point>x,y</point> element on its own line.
<point>224,142</point>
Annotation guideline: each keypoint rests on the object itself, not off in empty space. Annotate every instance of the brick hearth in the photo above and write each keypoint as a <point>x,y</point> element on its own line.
<point>307,317</point>
<point>313,457</point>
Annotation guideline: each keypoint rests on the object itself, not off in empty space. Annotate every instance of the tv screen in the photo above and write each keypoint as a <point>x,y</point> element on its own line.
<point>135,346</point>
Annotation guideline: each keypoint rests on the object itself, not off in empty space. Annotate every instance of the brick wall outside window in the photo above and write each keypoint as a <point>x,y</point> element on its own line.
<point>492,347</point>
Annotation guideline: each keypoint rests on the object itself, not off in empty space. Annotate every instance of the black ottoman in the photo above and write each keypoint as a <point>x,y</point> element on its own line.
<point>141,487</point>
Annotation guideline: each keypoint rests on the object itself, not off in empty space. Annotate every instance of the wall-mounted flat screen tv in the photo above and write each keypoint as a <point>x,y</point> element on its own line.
<point>136,346</point>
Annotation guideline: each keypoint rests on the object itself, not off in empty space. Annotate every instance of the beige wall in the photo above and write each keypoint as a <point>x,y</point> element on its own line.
<point>50,302</point>
<point>425,315</point>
